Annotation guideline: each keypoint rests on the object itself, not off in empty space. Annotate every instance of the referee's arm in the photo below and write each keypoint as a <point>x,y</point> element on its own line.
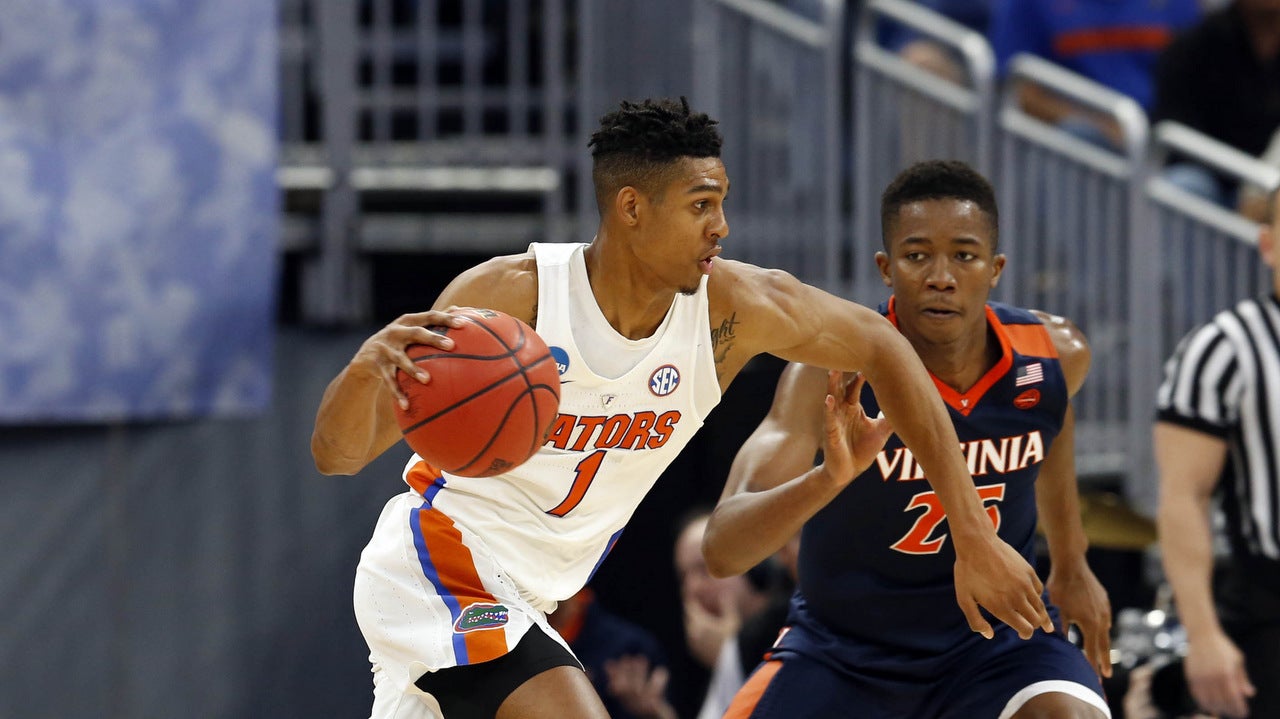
<point>1190,463</point>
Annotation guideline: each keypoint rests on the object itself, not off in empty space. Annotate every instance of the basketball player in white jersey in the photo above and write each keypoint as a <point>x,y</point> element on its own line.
<point>649,327</point>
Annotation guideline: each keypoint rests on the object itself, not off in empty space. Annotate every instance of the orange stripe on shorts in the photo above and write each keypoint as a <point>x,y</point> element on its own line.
<point>421,476</point>
<point>745,701</point>
<point>457,572</point>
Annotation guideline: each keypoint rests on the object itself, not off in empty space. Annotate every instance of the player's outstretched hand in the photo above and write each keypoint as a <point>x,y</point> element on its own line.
<point>992,575</point>
<point>1084,603</point>
<point>384,352</point>
<point>850,439</point>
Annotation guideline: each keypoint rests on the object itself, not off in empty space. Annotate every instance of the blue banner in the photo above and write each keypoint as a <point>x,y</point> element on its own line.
<point>138,208</point>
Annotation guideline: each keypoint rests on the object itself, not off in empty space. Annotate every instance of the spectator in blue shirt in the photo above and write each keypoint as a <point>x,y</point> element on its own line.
<point>1112,42</point>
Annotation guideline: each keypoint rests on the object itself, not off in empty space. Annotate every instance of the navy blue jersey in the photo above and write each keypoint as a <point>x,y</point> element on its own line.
<point>876,564</point>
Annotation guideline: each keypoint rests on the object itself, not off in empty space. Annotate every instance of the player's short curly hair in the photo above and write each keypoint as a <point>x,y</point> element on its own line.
<point>639,143</point>
<point>939,180</point>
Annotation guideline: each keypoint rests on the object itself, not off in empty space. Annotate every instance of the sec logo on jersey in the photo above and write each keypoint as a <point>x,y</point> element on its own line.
<point>664,380</point>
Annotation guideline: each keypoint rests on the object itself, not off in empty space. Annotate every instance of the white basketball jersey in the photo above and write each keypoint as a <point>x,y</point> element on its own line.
<point>551,521</point>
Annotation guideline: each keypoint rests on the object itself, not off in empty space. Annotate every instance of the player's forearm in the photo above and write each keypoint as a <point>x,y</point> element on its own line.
<point>748,527</point>
<point>1186,547</point>
<point>347,429</point>
<point>910,400</point>
<point>1067,542</point>
<point>1058,504</point>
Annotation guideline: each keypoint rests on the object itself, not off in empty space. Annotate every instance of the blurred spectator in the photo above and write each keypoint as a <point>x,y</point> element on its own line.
<point>1222,78</point>
<point>713,608</point>
<point>623,660</point>
<point>741,653</point>
<point>925,52</point>
<point>1113,42</point>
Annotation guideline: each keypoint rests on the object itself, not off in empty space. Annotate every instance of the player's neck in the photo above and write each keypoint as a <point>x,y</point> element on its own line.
<point>628,296</point>
<point>961,363</point>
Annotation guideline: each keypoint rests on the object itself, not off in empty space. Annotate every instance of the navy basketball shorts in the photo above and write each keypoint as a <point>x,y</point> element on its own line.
<point>981,679</point>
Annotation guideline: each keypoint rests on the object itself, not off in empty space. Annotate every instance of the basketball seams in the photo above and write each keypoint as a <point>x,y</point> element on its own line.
<point>501,414</point>
<point>511,408</point>
<point>483,390</point>
<point>510,351</point>
<point>519,326</point>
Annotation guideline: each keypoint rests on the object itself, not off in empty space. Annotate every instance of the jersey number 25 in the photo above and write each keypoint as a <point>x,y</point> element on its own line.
<point>920,540</point>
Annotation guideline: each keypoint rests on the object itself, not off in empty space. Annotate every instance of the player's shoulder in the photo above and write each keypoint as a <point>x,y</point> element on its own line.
<point>507,282</point>
<point>1064,333</point>
<point>1070,343</point>
<point>1034,331</point>
<point>1014,315</point>
<point>733,273</point>
<point>1061,330</point>
<point>736,285</point>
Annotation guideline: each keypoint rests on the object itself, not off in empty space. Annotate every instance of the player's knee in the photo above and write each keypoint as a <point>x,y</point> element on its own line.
<point>1054,705</point>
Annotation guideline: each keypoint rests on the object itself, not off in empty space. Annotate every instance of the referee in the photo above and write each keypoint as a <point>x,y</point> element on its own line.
<point>1218,431</point>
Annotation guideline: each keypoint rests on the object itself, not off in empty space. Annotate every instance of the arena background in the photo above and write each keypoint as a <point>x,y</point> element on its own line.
<point>206,205</point>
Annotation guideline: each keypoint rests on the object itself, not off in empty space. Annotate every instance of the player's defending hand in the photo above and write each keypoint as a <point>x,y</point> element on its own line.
<point>384,352</point>
<point>1083,602</point>
<point>994,576</point>
<point>850,438</point>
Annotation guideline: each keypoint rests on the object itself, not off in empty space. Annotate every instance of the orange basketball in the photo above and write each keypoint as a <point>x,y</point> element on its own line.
<point>490,401</point>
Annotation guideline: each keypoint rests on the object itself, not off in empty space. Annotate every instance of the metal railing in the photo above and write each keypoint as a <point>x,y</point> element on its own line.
<point>772,79</point>
<point>1198,258</point>
<point>402,100</point>
<point>376,102</point>
<point>770,76</point>
<point>1068,210</point>
<point>903,114</point>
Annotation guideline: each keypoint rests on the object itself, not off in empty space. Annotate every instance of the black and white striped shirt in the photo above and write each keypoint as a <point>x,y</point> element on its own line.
<point>1224,380</point>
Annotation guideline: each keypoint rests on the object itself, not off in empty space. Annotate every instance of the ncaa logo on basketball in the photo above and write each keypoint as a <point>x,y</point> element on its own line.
<point>664,380</point>
<point>562,359</point>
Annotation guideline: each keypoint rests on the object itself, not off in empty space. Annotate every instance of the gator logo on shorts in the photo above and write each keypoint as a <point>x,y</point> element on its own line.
<point>481,615</point>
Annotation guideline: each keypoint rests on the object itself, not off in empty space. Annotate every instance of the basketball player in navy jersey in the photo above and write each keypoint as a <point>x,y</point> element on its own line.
<point>453,589</point>
<point>874,630</point>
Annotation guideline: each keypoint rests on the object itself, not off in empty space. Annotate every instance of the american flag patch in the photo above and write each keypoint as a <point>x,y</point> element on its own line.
<point>1028,374</point>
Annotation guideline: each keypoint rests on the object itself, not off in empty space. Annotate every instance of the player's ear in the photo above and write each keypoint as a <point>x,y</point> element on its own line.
<point>625,205</point>
<point>882,261</point>
<point>997,267</point>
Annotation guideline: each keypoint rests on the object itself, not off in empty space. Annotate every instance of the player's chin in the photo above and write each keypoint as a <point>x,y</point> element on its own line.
<point>691,285</point>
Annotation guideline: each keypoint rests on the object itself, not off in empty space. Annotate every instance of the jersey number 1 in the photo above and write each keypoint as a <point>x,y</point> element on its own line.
<point>583,475</point>
<point>917,539</point>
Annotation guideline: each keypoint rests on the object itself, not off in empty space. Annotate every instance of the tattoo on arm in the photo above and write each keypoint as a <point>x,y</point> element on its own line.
<point>724,333</point>
<point>722,338</point>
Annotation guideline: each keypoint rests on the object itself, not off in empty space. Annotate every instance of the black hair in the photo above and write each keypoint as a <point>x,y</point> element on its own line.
<point>938,180</point>
<point>639,143</point>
